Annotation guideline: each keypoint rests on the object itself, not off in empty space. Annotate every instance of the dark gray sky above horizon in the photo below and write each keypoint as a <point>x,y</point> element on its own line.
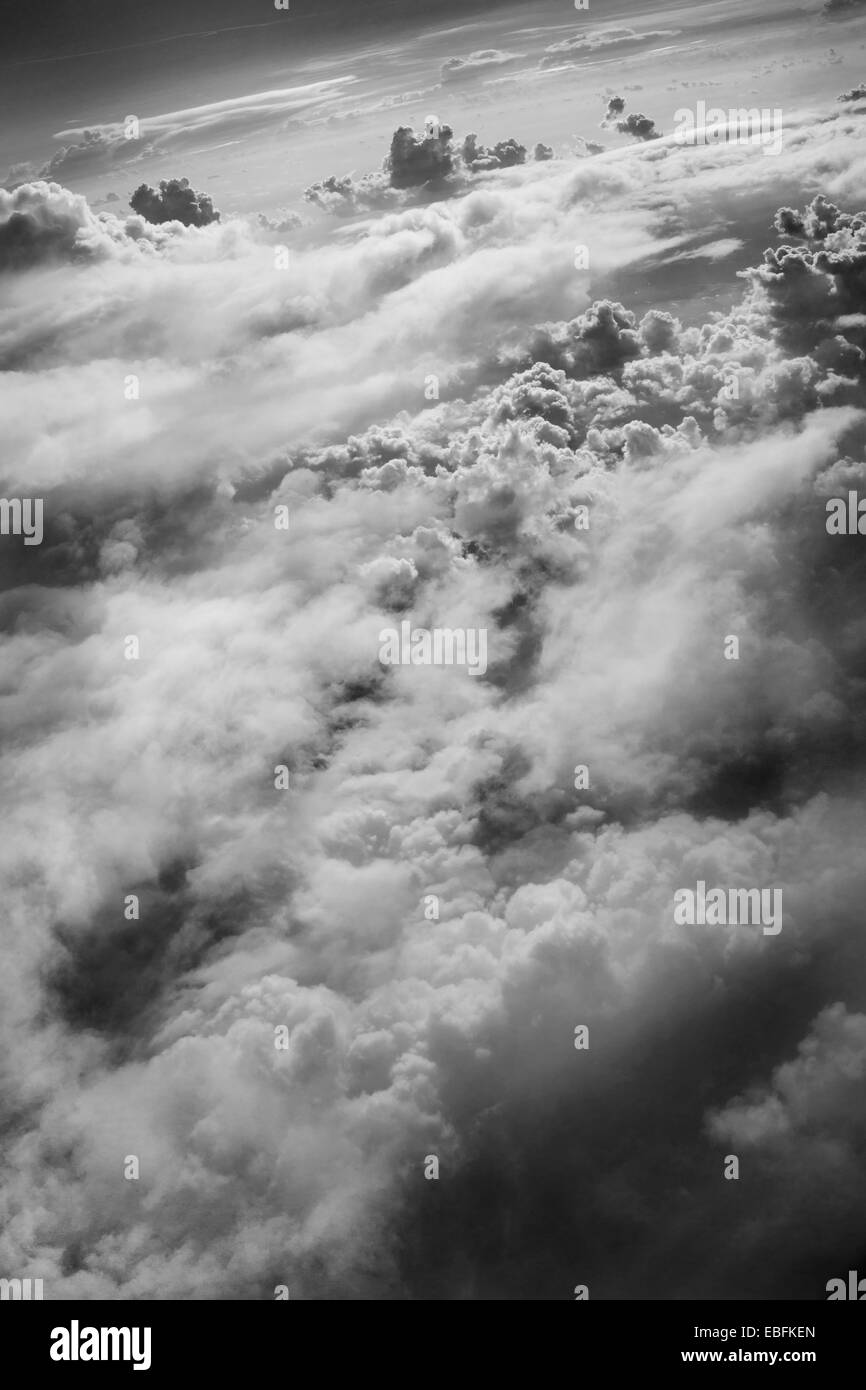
<point>60,30</point>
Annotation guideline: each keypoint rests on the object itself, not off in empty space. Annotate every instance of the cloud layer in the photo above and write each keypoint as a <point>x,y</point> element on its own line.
<point>439,398</point>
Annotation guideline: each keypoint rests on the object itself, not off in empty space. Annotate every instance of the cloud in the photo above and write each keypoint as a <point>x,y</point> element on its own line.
<point>820,220</point>
<point>43,222</point>
<point>426,164</point>
<point>415,163</point>
<point>286,221</point>
<point>174,202</point>
<point>801,1132</point>
<point>457,69</point>
<point>98,147</point>
<point>582,46</point>
<point>504,154</point>
<point>810,290</point>
<point>826,1079</point>
<point>641,127</point>
<point>348,196</point>
<point>97,150</point>
<point>304,910</point>
<point>256,110</point>
<point>419,159</point>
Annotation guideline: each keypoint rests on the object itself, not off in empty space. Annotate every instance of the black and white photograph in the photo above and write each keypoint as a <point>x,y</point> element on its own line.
<point>433,643</point>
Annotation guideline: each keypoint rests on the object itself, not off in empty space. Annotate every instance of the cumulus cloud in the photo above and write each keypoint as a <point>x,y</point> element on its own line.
<point>427,166</point>
<point>820,219</point>
<point>300,914</point>
<point>41,221</point>
<point>418,159</point>
<point>175,201</point>
<point>286,221</point>
<point>348,196</point>
<point>641,127</point>
<point>414,164</point>
<point>504,154</point>
<point>44,222</point>
<point>812,291</point>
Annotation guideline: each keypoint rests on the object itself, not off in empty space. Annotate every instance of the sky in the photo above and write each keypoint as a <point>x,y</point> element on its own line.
<point>436,383</point>
<point>375,64</point>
